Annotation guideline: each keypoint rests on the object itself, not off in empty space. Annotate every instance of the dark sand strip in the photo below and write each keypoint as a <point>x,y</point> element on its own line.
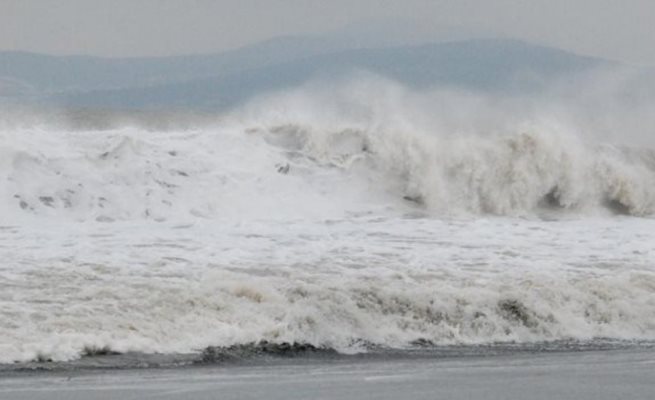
<point>597,375</point>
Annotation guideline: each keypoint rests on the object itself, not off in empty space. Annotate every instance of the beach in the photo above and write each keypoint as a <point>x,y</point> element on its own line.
<point>581,375</point>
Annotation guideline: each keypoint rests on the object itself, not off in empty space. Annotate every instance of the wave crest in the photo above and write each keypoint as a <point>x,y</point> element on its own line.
<point>510,174</point>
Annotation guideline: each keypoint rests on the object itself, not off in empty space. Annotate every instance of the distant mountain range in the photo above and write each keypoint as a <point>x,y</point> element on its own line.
<point>221,81</point>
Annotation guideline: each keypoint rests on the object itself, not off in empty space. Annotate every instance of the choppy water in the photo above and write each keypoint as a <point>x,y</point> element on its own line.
<point>343,284</point>
<point>340,233</point>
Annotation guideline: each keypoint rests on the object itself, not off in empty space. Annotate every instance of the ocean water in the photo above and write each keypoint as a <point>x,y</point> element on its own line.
<point>341,229</point>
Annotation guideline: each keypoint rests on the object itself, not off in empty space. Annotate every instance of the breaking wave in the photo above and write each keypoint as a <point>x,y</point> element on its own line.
<point>369,220</point>
<point>312,168</point>
<point>348,313</point>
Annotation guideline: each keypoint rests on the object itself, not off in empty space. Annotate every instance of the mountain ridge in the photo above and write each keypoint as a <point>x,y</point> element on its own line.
<point>224,80</point>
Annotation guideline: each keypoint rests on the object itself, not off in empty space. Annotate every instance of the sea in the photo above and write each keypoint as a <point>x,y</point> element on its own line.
<point>295,229</point>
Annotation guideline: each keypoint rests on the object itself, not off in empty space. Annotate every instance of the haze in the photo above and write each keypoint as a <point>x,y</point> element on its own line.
<point>620,30</point>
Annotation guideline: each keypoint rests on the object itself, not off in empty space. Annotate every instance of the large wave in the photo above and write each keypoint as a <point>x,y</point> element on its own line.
<point>348,315</point>
<point>317,153</point>
<point>341,217</point>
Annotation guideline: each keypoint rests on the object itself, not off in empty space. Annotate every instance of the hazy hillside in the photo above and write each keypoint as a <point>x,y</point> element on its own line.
<point>224,80</point>
<point>51,74</point>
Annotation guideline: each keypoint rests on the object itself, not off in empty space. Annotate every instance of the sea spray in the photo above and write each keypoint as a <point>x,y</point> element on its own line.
<point>370,218</point>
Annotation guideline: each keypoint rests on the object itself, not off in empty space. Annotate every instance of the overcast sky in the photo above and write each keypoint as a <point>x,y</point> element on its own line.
<point>623,30</point>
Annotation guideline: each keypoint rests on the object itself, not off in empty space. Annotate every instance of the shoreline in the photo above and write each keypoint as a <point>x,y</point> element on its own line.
<point>590,374</point>
<point>265,353</point>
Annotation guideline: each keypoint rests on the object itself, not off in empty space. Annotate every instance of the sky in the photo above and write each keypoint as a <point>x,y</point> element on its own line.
<point>620,30</point>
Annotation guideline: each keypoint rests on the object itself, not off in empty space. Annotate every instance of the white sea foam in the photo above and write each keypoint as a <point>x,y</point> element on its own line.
<point>130,174</point>
<point>332,223</point>
<point>161,287</point>
<point>332,153</point>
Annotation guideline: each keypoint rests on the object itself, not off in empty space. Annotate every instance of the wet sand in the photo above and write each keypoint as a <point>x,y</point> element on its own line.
<point>598,375</point>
